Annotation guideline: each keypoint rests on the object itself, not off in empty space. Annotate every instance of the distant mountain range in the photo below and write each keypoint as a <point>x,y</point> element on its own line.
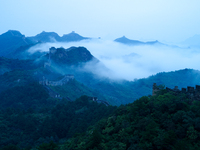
<point>13,42</point>
<point>54,37</point>
<point>127,41</point>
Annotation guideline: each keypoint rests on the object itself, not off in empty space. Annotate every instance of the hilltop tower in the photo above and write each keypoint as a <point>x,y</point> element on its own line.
<point>52,50</point>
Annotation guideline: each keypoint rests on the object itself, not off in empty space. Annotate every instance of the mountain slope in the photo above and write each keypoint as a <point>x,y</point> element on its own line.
<point>72,37</point>
<point>12,40</point>
<point>70,56</point>
<point>43,119</point>
<point>166,121</point>
<point>45,37</point>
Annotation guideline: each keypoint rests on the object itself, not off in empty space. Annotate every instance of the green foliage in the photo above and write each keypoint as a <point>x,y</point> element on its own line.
<point>10,147</point>
<point>73,90</point>
<point>48,146</point>
<point>24,96</point>
<point>165,121</point>
<point>45,120</point>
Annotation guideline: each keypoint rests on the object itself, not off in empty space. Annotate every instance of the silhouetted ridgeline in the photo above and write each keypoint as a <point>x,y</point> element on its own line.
<point>191,92</point>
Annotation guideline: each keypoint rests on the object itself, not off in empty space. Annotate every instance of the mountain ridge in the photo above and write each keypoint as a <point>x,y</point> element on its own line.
<point>54,37</point>
<point>125,40</point>
<point>11,40</point>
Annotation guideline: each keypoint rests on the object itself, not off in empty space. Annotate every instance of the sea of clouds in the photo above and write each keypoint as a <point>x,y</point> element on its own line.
<point>131,62</point>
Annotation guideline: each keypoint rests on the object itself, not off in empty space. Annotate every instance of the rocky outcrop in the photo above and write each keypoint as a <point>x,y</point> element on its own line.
<point>70,56</point>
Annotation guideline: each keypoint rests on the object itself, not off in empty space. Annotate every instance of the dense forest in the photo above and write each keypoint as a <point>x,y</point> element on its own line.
<point>29,117</point>
<point>166,121</point>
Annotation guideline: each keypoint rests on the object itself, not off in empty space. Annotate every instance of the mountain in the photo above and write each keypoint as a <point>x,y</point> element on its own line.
<point>23,53</point>
<point>12,40</point>
<point>75,61</point>
<point>54,37</point>
<point>45,37</point>
<point>192,41</point>
<point>123,92</point>
<point>15,45</point>
<point>127,41</point>
<point>72,37</point>
<point>70,56</point>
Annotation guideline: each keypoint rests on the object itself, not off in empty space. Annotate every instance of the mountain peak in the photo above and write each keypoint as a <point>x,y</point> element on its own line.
<point>11,33</point>
<point>46,37</point>
<point>53,36</point>
<point>125,40</point>
<point>70,56</point>
<point>73,36</point>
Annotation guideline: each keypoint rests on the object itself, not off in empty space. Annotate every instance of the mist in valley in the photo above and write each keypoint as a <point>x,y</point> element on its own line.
<point>120,61</point>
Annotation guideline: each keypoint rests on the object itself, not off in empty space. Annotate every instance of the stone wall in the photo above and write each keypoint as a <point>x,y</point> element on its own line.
<point>61,82</point>
<point>191,92</point>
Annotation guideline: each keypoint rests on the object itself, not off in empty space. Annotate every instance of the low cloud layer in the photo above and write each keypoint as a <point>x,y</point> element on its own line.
<point>132,62</point>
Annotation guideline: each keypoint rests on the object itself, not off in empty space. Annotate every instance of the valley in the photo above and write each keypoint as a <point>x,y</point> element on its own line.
<point>51,95</point>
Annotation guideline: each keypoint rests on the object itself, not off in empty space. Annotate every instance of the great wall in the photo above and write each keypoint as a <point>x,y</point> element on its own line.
<point>61,82</point>
<point>191,92</point>
<point>68,77</point>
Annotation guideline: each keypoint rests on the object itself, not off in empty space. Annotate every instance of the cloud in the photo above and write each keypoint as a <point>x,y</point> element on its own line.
<point>131,62</point>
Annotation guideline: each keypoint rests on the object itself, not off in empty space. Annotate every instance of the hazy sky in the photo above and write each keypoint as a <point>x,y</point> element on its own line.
<point>164,20</point>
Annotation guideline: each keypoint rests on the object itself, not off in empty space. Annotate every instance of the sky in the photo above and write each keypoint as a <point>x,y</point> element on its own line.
<point>164,20</point>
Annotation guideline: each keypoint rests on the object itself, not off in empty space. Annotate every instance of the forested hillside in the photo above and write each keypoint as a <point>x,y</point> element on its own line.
<point>29,117</point>
<point>165,121</point>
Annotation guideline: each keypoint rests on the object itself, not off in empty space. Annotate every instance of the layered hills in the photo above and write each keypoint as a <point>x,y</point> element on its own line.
<point>57,99</point>
<point>13,44</point>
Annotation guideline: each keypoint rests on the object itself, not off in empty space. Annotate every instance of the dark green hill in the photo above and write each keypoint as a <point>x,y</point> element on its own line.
<point>74,89</point>
<point>45,120</point>
<point>165,121</point>
<point>30,95</point>
<point>13,64</point>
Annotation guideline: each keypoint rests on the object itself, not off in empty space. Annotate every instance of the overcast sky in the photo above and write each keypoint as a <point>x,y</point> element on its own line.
<point>163,20</point>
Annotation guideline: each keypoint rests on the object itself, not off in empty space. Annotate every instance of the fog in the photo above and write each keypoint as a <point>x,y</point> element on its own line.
<point>131,62</point>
